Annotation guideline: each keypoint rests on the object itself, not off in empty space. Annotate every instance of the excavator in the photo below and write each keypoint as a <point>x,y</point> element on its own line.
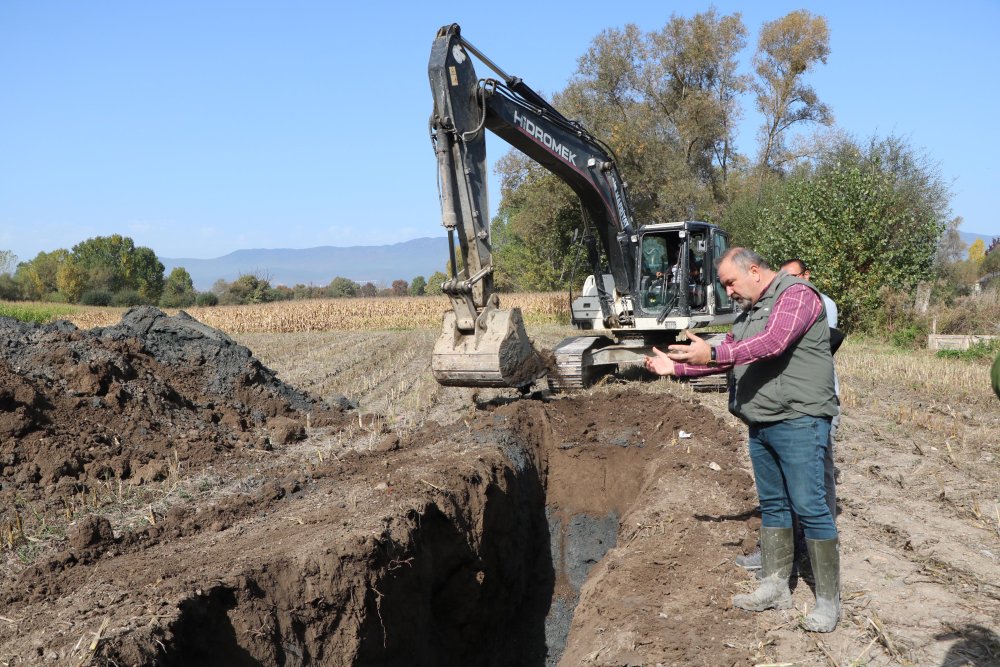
<point>649,282</point>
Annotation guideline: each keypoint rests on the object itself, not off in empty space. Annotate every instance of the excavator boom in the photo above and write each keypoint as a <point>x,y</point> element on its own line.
<point>482,345</point>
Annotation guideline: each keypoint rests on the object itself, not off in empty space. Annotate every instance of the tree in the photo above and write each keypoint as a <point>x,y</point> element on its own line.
<point>146,274</point>
<point>368,289</point>
<point>9,289</point>
<point>282,293</point>
<point>178,290</point>
<point>532,234</point>
<point>857,218</point>
<point>250,288</point>
<point>247,288</point>
<point>107,260</point>
<point>8,260</point>
<point>666,103</point>
<point>303,291</point>
<point>113,263</point>
<point>787,49</point>
<point>951,247</point>
<point>72,280</point>
<point>206,299</point>
<point>400,288</point>
<point>689,75</point>
<point>342,287</point>
<point>434,282</point>
<point>977,252</point>
<point>418,286</point>
<point>38,277</point>
<point>991,259</point>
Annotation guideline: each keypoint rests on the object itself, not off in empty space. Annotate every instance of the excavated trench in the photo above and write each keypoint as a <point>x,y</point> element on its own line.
<point>489,574</point>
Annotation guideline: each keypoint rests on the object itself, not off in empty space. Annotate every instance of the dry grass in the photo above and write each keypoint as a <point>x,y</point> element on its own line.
<point>865,367</point>
<point>357,314</point>
<point>950,400</point>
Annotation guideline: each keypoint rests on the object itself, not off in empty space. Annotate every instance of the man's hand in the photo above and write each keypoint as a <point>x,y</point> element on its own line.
<point>698,352</point>
<point>660,363</point>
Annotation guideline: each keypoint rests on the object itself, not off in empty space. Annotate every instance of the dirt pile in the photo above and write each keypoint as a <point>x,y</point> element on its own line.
<point>124,403</point>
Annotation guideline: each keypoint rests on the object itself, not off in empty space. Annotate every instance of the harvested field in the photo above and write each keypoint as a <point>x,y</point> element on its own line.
<point>416,524</point>
<point>345,314</point>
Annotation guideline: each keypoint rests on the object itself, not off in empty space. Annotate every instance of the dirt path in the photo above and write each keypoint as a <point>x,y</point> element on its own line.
<point>444,526</point>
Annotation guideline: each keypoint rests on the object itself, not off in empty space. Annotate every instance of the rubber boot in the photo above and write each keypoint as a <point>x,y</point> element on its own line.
<point>777,553</point>
<point>825,557</point>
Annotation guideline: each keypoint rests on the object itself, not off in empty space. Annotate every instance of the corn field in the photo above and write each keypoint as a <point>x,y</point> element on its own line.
<point>354,314</point>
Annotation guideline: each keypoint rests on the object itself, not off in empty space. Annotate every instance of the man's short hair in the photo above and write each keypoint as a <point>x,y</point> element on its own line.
<point>796,260</point>
<point>744,258</point>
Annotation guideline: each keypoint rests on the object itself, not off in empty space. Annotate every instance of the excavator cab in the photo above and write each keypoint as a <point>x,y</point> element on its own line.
<point>658,270</point>
<point>674,268</point>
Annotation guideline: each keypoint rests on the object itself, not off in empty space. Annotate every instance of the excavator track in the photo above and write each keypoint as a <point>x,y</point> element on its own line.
<point>710,383</point>
<point>572,368</point>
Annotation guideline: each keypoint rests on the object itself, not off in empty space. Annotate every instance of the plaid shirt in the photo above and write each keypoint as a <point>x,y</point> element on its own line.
<point>795,310</point>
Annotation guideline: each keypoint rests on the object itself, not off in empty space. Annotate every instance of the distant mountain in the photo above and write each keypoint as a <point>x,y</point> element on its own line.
<point>969,238</point>
<point>318,266</point>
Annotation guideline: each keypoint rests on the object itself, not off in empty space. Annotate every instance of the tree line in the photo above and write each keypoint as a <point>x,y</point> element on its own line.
<point>113,271</point>
<point>866,214</point>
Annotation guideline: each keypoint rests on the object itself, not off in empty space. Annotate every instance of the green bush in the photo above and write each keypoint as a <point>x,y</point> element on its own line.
<point>96,297</point>
<point>978,350</point>
<point>10,290</point>
<point>909,337</point>
<point>127,298</point>
<point>206,299</point>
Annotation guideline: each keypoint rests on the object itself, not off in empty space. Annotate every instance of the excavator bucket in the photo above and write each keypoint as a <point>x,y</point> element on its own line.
<point>497,355</point>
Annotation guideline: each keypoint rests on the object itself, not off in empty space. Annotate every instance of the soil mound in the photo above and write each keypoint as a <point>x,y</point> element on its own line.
<point>126,402</point>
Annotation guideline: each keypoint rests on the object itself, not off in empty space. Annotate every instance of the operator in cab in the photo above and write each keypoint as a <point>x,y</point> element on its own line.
<point>782,388</point>
<point>654,256</point>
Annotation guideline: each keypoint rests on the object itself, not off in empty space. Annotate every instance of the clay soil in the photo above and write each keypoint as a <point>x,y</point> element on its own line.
<point>171,496</point>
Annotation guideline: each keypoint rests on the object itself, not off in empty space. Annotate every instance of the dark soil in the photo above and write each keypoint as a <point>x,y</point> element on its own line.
<point>125,404</point>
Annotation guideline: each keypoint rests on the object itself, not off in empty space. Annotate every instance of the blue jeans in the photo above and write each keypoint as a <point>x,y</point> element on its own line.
<point>788,464</point>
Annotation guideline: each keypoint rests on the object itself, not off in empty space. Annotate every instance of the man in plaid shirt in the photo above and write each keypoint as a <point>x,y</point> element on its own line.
<point>782,387</point>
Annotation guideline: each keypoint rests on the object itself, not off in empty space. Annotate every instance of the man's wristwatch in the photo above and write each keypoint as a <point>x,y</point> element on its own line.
<point>712,361</point>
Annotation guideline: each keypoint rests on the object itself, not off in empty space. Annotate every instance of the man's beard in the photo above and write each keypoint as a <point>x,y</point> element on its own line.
<point>743,303</point>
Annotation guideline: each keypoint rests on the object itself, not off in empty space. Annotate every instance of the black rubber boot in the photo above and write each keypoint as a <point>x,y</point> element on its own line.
<point>777,553</point>
<point>825,557</point>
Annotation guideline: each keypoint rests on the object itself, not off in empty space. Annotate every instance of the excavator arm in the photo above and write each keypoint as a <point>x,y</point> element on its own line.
<point>482,345</point>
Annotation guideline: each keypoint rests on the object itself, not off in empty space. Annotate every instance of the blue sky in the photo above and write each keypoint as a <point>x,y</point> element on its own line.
<point>199,128</point>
